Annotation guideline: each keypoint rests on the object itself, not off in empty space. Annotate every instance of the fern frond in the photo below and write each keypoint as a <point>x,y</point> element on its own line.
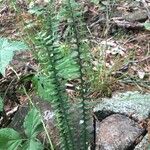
<point>51,61</point>
<point>78,34</point>
<point>57,68</point>
<point>57,91</point>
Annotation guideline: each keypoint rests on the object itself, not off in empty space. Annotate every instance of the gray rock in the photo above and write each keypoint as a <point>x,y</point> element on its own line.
<point>117,132</point>
<point>132,104</point>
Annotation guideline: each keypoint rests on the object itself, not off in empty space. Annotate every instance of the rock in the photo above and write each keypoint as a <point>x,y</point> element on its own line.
<point>130,103</point>
<point>117,132</point>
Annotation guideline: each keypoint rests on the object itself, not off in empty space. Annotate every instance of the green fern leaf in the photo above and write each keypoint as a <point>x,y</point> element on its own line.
<point>1,104</point>
<point>9,139</point>
<point>32,123</point>
<point>44,87</point>
<point>78,36</point>
<point>68,68</point>
<point>7,49</point>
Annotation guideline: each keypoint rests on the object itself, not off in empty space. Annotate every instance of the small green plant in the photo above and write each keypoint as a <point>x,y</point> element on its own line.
<point>12,140</point>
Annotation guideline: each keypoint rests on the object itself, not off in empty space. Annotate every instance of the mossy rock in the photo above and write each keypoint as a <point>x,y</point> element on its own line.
<point>133,104</point>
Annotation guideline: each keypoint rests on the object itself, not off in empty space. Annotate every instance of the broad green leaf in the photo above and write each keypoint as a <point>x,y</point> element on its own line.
<point>9,139</point>
<point>147,25</point>
<point>32,123</point>
<point>1,104</point>
<point>7,49</point>
<point>33,144</point>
